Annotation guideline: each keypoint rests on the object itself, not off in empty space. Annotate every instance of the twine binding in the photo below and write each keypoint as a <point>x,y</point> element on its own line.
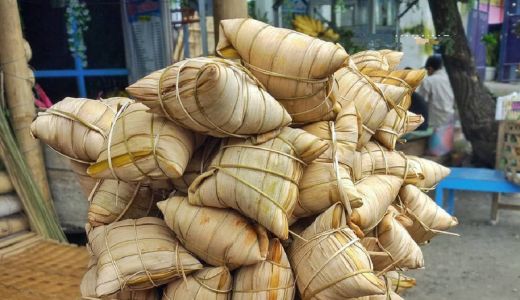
<point>207,64</point>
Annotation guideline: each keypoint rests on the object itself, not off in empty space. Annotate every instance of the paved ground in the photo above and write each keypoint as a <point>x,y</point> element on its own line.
<point>484,263</point>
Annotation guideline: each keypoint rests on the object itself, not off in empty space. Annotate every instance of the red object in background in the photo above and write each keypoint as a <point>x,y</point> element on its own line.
<point>42,100</point>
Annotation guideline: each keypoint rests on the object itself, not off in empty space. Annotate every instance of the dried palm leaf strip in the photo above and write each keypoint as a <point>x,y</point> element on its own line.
<point>412,122</point>
<point>370,59</point>
<point>208,283</point>
<point>319,187</point>
<point>428,218</point>
<point>258,180</point>
<point>269,279</point>
<point>378,192</point>
<point>375,159</point>
<point>220,237</point>
<point>88,288</point>
<point>400,281</point>
<point>392,57</point>
<point>143,146</point>
<point>433,172</point>
<point>113,200</point>
<point>330,263</point>
<point>138,254</point>
<point>295,68</point>
<point>392,247</point>
<point>75,127</point>
<point>395,122</point>
<point>390,294</point>
<point>211,96</point>
<point>197,165</point>
<point>371,103</point>
<point>407,78</point>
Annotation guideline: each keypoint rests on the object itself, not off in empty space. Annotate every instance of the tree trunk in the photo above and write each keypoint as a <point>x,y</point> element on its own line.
<point>476,106</point>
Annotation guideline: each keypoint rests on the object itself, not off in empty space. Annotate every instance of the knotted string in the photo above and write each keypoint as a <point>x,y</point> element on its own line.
<point>215,290</point>
<point>206,64</point>
<point>130,202</point>
<point>110,133</point>
<point>318,238</point>
<point>264,289</point>
<point>121,281</point>
<point>405,210</point>
<point>335,163</point>
<point>223,168</point>
<point>74,118</point>
<point>266,149</point>
<point>140,255</point>
<point>285,76</point>
<point>327,82</point>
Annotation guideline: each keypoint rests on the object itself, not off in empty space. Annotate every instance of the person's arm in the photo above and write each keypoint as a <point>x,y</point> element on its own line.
<point>424,90</point>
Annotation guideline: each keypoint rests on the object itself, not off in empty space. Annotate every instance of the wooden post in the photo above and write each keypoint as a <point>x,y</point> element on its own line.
<point>227,9</point>
<point>20,98</point>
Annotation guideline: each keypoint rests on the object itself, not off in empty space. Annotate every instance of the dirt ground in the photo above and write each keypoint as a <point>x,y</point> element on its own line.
<point>484,263</point>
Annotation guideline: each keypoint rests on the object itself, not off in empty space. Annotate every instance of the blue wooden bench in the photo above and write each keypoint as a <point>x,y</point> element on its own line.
<point>476,179</point>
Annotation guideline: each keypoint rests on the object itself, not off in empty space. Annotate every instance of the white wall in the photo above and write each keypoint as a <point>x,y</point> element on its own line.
<point>415,54</point>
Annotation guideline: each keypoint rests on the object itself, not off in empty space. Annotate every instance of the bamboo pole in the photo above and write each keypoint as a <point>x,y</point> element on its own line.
<point>18,91</point>
<point>227,9</point>
<point>41,214</point>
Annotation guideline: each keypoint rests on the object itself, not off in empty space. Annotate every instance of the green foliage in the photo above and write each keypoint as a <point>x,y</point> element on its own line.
<point>77,17</point>
<point>421,31</point>
<point>255,13</point>
<point>428,33</point>
<point>491,40</point>
<point>346,40</point>
<point>416,30</point>
<point>341,5</point>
